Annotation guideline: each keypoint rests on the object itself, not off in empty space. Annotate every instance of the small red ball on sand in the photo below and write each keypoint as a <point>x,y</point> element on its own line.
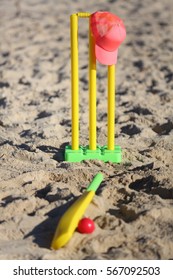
<point>86,225</point>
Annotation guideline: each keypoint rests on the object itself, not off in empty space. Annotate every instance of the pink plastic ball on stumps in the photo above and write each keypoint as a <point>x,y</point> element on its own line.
<point>86,225</point>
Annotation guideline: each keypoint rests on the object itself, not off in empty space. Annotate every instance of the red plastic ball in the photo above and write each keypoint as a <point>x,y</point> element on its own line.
<point>86,225</point>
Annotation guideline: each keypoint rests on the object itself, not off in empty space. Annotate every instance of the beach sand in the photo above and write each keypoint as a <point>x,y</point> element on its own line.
<point>133,208</point>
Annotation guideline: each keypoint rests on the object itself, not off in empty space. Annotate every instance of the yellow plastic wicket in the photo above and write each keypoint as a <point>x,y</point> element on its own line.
<point>74,81</point>
<point>111,106</point>
<point>92,90</point>
<point>76,152</point>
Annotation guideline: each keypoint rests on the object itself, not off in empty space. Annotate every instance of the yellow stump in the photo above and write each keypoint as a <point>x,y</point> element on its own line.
<point>74,81</point>
<point>92,93</point>
<point>111,107</point>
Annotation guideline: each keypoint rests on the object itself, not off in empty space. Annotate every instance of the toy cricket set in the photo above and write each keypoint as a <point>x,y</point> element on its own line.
<point>106,33</point>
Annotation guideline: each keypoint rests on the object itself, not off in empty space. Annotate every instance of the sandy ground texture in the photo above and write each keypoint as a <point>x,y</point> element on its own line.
<point>133,208</point>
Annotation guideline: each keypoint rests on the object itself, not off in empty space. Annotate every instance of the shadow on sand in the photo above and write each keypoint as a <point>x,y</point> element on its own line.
<point>43,233</point>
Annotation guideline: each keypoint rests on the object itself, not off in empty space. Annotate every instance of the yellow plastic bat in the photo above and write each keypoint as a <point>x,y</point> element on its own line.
<point>69,221</point>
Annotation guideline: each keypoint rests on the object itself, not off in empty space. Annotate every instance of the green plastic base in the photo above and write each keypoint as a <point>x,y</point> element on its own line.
<point>101,153</point>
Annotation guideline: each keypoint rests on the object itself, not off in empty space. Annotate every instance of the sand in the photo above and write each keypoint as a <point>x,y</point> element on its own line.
<point>133,208</point>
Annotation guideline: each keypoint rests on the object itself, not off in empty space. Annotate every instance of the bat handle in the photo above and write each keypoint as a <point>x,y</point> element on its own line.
<point>95,182</point>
